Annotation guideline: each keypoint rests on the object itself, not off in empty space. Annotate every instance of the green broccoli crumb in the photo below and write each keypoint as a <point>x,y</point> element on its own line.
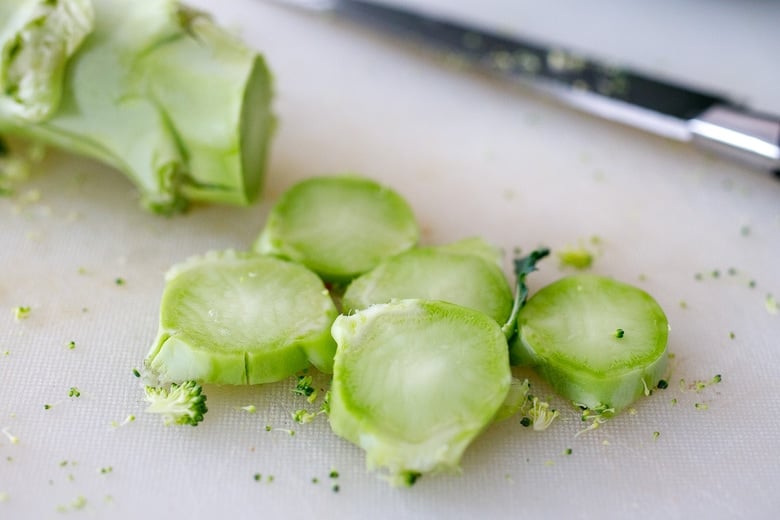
<point>136,372</point>
<point>74,392</point>
<point>119,281</point>
<point>662,384</point>
<point>22,312</point>
<point>76,504</point>
<point>105,470</point>
<point>250,408</point>
<point>127,420</point>
<point>411,477</point>
<point>701,406</point>
<point>13,439</point>
<point>303,416</point>
<point>700,384</point>
<point>333,474</point>
<point>770,304</point>
<point>537,413</point>
<point>568,451</point>
<point>578,258</point>
<point>732,335</point>
<point>304,387</point>
<point>71,345</point>
<point>258,477</point>
<point>619,333</point>
<point>597,416</point>
<point>182,404</point>
<point>336,488</point>
<point>656,435</point>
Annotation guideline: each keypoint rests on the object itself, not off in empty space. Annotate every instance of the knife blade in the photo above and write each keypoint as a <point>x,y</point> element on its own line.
<point>623,95</point>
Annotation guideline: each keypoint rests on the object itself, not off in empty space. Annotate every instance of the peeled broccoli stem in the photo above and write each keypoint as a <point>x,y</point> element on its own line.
<point>37,37</point>
<point>161,93</point>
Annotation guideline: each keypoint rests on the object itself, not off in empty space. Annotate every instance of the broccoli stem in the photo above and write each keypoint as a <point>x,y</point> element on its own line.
<point>164,95</point>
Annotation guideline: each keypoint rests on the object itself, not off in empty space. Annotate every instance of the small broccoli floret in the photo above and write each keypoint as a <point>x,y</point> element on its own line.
<point>182,403</point>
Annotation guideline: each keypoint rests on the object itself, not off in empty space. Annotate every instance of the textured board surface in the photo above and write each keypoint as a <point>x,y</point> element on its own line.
<point>473,157</point>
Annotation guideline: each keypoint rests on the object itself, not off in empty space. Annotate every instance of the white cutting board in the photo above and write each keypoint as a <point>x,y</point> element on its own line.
<point>473,157</point>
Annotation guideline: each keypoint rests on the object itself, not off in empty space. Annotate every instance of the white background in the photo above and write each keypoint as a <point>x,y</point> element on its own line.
<point>473,157</point>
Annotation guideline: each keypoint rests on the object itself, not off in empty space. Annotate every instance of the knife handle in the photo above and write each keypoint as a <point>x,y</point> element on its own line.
<point>739,134</point>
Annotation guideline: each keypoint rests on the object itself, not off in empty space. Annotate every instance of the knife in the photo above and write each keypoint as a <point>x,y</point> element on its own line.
<point>618,94</point>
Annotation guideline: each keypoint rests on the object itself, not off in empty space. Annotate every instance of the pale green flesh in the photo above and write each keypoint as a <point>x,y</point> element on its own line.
<point>339,226</point>
<point>415,382</point>
<point>434,274</point>
<point>568,331</point>
<point>474,246</point>
<point>237,319</point>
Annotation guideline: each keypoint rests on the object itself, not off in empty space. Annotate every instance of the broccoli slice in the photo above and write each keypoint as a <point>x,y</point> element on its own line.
<point>241,318</point>
<point>414,382</point>
<point>569,332</point>
<point>449,273</point>
<point>338,226</point>
<point>183,403</point>
<point>159,92</point>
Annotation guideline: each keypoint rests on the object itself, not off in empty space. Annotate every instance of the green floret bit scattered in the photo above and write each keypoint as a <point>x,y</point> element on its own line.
<point>539,413</point>
<point>523,267</point>
<point>183,403</point>
<point>404,478</point>
<point>596,416</point>
<point>155,90</point>
<point>578,258</point>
